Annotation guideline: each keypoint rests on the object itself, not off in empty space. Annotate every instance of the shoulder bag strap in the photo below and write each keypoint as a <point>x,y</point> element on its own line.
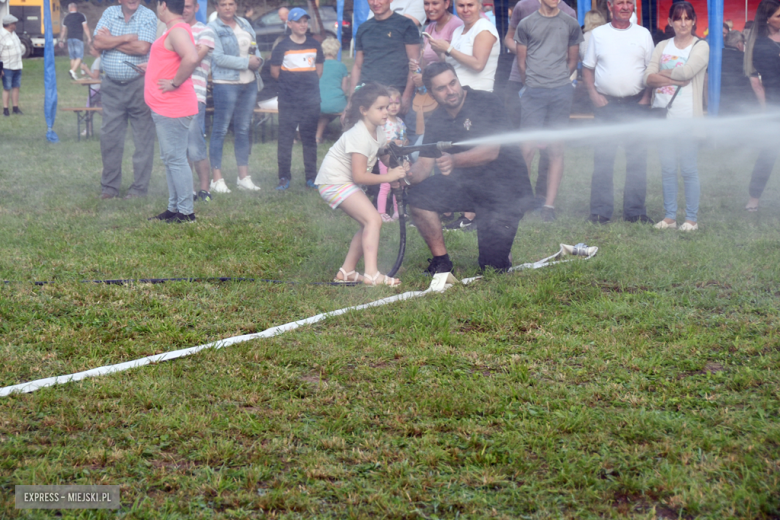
<point>669,105</point>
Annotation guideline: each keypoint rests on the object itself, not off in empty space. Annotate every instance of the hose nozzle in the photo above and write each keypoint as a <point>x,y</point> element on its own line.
<point>432,149</point>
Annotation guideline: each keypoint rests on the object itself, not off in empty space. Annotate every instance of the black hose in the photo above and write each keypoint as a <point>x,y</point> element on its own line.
<point>400,198</point>
<point>209,279</point>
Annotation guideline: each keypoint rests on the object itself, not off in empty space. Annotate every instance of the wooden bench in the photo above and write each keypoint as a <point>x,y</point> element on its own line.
<point>267,116</point>
<point>85,118</point>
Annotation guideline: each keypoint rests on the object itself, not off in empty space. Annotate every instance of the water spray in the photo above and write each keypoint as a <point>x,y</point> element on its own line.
<point>755,130</point>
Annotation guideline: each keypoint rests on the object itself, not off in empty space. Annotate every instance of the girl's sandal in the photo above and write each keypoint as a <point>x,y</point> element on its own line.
<point>386,280</point>
<point>355,277</point>
<point>387,218</point>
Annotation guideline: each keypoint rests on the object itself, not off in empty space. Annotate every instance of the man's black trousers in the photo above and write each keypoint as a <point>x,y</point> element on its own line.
<point>305,119</point>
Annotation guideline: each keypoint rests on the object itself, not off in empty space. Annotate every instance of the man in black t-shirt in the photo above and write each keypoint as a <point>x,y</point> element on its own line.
<point>490,180</point>
<point>296,62</point>
<point>384,45</point>
<point>74,27</point>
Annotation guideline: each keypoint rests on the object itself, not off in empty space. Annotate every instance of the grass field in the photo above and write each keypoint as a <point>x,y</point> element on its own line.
<point>640,384</point>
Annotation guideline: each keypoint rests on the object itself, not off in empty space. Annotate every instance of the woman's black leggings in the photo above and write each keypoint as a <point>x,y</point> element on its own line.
<point>762,170</point>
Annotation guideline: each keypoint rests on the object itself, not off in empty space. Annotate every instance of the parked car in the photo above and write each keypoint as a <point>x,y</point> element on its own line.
<point>269,27</point>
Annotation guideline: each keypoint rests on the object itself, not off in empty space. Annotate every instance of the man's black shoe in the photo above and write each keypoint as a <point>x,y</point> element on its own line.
<point>548,214</point>
<point>165,216</point>
<point>17,111</point>
<point>182,218</point>
<point>641,219</point>
<point>6,113</point>
<point>463,224</point>
<point>438,265</point>
<point>538,203</point>
<point>597,219</point>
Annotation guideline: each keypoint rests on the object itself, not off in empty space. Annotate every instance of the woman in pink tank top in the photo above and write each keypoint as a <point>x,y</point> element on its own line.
<point>169,92</point>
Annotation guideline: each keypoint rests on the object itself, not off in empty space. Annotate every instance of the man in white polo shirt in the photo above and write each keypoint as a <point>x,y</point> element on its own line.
<point>613,70</point>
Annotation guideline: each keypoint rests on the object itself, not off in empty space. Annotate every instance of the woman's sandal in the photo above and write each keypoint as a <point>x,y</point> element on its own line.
<point>386,280</point>
<point>387,218</point>
<point>354,274</point>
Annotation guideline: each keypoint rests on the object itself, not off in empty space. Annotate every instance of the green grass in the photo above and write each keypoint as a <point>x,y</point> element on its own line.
<point>640,384</point>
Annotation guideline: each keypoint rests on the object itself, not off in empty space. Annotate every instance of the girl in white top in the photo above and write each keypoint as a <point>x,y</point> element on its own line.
<point>475,47</point>
<point>349,162</point>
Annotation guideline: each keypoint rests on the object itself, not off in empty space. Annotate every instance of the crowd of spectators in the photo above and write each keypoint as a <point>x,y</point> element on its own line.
<point>160,83</point>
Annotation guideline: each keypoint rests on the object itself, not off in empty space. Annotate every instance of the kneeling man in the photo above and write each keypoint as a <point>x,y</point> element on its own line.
<point>490,180</point>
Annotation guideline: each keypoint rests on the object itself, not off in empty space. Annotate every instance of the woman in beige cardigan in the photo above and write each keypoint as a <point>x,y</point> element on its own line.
<point>679,63</point>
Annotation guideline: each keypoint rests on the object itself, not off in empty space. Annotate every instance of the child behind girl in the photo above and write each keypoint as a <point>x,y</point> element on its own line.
<point>395,130</point>
<point>349,162</point>
<point>334,85</point>
<point>93,72</point>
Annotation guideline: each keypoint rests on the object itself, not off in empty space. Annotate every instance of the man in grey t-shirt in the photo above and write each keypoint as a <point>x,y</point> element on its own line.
<point>522,10</point>
<point>547,54</point>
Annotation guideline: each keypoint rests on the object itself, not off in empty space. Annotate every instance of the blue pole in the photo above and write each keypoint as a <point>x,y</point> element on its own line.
<point>583,6</point>
<point>340,20</point>
<point>715,39</point>
<point>359,15</point>
<point>49,76</point>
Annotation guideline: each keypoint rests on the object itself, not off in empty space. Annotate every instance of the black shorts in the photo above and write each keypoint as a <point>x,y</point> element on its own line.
<point>498,210</point>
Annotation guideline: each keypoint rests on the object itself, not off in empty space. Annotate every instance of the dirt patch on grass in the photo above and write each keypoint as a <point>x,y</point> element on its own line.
<point>711,367</point>
<point>468,327</point>
<point>633,503</point>
<point>381,364</point>
<point>485,371</point>
<point>713,283</point>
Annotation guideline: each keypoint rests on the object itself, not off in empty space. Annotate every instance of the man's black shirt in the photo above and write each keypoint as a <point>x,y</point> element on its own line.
<point>482,114</point>
<point>383,43</point>
<point>74,21</point>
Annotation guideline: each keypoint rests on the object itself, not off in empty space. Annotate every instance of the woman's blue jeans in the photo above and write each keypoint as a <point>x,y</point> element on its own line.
<point>172,133</point>
<point>685,152</point>
<point>236,103</point>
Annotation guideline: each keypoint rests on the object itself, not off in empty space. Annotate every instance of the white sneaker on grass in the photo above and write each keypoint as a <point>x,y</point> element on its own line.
<point>247,184</point>
<point>219,187</point>
<point>665,225</point>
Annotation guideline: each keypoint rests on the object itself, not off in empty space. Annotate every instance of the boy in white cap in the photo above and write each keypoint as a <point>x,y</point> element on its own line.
<point>296,62</point>
<point>11,57</point>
